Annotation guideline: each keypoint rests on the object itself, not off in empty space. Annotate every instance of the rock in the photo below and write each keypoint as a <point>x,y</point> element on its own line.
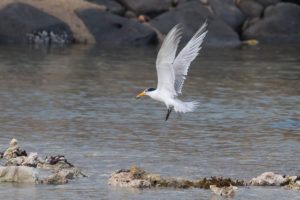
<point>223,191</point>
<point>32,160</point>
<point>219,33</point>
<point>178,183</point>
<point>137,173</point>
<point>293,185</point>
<point>251,8</point>
<point>266,3</point>
<point>139,178</point>
<point>124,179</point>
<point>18,161</point>
<point>130,14</point>
<point>280,25</point>
<point>228,12</point>
<point>155,180</point>
<point>115,31</point>
<point>268,179</point>
<point>21,23</point>
<point>13,151</point>
<point>55,179</point>
<point>112,6</point>
<point>18,174</point>
<point>149,7</point>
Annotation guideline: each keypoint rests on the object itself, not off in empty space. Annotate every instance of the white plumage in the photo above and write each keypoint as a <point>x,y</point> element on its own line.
<point>172,71</point>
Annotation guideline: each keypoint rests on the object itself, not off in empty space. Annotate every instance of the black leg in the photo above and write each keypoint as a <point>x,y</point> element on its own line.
<point>169,112</point>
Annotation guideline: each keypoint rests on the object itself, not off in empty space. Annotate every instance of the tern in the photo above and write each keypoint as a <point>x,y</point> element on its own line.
<point>172,70</point>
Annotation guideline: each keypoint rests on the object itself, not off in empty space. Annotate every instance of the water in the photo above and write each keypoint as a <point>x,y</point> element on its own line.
<point>79,101</point>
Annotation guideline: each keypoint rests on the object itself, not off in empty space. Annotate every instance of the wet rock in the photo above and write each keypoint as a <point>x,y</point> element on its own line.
<point>279,25</point>
<point>251,8</point>
<point>18,161</point>
<point>149,7</point>
<point>18,174</point>
<point>294,183</point>
<point>219,33</point>
<point>124,179</point>
<point>112,6</point>
<point>115,31</point>
<point>32,160</point>
<point>13,151</point>
<point>55,179</point>
<point>178,183</point>
<point>268,179</point>
<point>266,3</point>
<point>139,178</point>
<point>228,12</point>
<point>223,191</point>
<point>19,22</point>
<point>137,173</point>
<point>218,182</point>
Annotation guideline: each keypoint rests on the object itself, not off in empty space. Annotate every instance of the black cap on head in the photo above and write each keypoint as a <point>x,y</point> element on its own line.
<point>150,89</point>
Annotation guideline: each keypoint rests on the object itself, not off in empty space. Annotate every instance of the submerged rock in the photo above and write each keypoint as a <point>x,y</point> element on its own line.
<point>139,178</point>
<point>18,174</point>
<point>226,191</point>
<point>268,179</point>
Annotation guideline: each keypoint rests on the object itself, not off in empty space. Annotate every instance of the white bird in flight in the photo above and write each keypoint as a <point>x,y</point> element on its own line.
<point>172,71</point>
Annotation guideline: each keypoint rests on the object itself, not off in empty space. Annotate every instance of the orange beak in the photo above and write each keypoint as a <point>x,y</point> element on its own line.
<point>142,94</point>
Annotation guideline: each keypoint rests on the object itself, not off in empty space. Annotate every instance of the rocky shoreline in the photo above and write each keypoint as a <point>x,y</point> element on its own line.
<point>16,166</point>
<point>115,23</point>
<point>20,167</point>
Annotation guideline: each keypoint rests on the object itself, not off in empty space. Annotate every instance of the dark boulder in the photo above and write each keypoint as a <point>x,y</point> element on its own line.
<point>228,12</point>
<point>251,8</point>
<point>280,25</point>
<point>111,30</point>
<point>112,6</point>
<point>266,3</point>
<point>191,15</point>
<point>149,7</point>
<point>20,23</point>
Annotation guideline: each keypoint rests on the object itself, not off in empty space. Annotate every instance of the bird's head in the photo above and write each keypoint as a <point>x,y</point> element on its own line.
<point>146,92</point>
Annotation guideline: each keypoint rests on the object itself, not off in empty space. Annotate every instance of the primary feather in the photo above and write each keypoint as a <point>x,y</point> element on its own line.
<point>183,61</point>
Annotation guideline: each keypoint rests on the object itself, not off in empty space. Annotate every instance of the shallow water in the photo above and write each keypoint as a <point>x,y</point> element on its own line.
<point>79,101</point>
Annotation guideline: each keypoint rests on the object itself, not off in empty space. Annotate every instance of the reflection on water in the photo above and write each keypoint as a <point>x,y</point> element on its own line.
<point>79,101</point>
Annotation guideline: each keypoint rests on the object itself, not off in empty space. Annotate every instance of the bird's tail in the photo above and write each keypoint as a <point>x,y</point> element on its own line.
<point>180,106</point>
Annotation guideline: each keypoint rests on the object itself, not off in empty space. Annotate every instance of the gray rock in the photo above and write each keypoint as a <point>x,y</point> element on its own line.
<point>13,151</point>
<point>266,3</point>
<point>148,7</point>
<point>223,191</point>
<point>111,5</point>
<point>123,179</point>
<point>228,12</point>
<point>17,20</point>
<point>280,25</point>
<point>251,8</point>
<point>18,174</point>
<point>268,179</point>
<point>219,33</point>
<point>112,30</point>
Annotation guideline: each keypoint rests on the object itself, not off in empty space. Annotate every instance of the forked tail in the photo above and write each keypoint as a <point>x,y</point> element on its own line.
<point>180,106</point>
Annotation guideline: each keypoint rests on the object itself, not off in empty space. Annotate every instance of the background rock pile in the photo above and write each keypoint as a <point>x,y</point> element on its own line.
<point>129,22</point>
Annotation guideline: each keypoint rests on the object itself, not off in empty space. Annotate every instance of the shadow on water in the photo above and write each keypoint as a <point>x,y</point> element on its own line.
<point>79,101</point>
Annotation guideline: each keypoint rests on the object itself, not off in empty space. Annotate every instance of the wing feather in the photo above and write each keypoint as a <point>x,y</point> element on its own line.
<point>186,56</point>
<point>165,59</point>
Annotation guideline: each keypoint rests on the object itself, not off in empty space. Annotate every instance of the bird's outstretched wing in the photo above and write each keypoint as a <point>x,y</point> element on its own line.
<point>164,61</point>
<point>186,56</point>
